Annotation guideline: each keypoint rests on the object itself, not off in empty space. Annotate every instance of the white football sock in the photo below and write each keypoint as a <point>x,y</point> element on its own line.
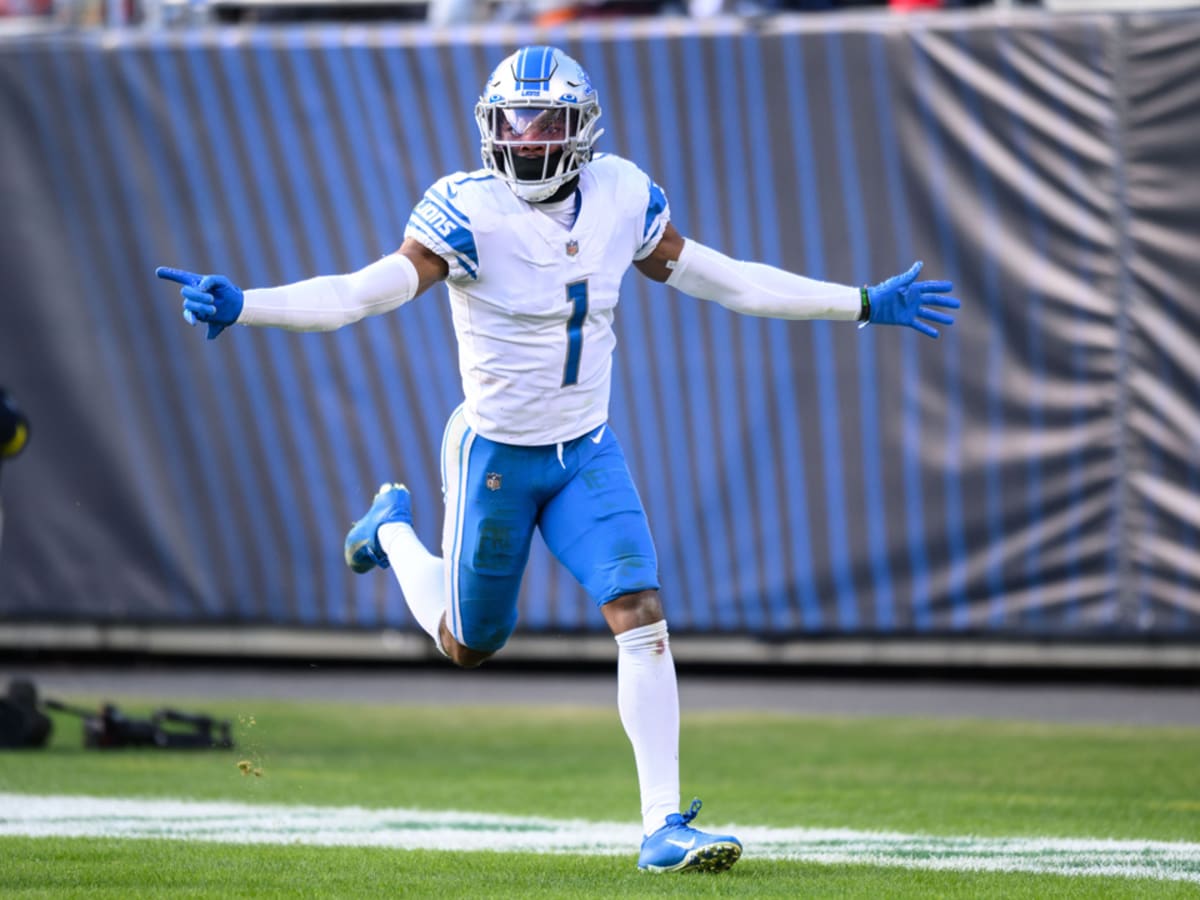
<point>420,573</point>
<point>648,700</point>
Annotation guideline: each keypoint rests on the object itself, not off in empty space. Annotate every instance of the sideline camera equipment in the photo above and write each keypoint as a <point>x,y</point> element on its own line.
<point>23,724</point>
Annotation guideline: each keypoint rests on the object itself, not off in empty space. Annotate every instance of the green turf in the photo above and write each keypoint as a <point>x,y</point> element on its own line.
<point>938,777</point>
<point>941,777</point>
<point>122,869</point>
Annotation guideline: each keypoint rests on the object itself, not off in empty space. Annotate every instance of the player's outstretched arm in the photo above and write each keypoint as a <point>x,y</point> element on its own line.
<point>318,304</point>
<point>760,290</point>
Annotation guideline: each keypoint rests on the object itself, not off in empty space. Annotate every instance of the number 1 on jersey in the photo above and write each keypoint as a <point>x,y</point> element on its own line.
<point>578,295</point>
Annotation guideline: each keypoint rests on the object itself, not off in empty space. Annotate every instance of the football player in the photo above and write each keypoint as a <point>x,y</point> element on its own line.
<point>14,434</point>
<point>533,247</point>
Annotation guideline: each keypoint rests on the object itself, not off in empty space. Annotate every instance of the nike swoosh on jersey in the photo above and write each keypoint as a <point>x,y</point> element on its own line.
<point>682,845</point>
<point>598,435</point>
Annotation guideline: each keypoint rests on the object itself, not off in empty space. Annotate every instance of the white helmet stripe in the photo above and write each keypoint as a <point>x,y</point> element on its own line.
<point>534,67</point>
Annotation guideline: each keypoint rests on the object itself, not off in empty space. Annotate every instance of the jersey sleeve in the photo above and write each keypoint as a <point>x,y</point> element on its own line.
<point>658,214</point>
<point>440,223</point>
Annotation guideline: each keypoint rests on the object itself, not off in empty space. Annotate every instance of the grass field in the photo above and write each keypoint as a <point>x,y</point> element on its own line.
<point>936,783</point>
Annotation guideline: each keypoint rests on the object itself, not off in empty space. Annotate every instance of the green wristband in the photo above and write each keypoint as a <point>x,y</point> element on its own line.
<point>865,314</point>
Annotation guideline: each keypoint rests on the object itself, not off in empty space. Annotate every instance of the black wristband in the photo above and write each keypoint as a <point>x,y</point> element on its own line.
<point>865,314</point>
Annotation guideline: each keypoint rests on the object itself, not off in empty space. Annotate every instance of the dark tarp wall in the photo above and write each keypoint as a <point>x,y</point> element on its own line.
<point>1036,472</point>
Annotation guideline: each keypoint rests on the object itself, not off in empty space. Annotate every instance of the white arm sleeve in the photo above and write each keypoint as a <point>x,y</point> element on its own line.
<point>760,290</point>
<point>331,301</point>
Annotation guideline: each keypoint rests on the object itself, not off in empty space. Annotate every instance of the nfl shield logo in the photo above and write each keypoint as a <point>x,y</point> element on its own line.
<point>492,482</point>
<point>572,248</point>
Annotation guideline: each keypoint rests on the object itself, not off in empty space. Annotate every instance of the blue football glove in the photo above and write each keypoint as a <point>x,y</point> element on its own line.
<point>902,300</point>
<point>212,299</point>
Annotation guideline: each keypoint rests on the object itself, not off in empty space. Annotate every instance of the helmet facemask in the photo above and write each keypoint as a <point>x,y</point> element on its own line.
<point>536,149</point>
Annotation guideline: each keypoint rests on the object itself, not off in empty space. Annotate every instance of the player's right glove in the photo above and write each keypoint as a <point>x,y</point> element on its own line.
<point>212,299</point>
<point>902,300</point>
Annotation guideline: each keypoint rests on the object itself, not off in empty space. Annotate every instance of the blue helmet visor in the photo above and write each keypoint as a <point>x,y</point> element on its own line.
<point>531,124</point>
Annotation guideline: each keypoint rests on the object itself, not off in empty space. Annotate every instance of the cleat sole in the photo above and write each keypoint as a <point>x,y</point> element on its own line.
<point>716,857</point>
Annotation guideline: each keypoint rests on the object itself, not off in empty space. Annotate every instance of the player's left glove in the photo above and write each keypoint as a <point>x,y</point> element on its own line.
<point>212,299</point>
<point>902,300</point>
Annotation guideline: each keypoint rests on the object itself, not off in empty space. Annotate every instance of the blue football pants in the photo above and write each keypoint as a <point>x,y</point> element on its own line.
<point>579,494</point>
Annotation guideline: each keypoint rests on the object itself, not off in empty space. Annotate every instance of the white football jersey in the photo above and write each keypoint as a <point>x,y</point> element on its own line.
<point>533,301</point>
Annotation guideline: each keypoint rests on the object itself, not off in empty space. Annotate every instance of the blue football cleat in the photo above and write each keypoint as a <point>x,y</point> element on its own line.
<point>677,848</point>
<point>392,504</point>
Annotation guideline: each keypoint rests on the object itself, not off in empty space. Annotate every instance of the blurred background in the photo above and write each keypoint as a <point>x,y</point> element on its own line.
<point>1023,493</point>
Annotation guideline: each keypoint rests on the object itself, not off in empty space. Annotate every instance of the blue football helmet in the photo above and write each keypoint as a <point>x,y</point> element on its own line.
<point>537,121</point>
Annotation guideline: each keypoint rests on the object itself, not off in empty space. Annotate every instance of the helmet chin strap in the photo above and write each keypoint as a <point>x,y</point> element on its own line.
<point>564,191</point>
<point>531,169</point>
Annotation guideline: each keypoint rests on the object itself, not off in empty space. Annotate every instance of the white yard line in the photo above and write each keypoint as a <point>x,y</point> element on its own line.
<point>410,829</point>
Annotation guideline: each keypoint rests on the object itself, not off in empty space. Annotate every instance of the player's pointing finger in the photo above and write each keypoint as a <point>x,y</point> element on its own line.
<point>180,276</point>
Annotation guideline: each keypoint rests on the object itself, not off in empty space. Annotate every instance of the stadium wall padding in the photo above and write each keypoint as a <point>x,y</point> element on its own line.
<point>1035,472</point>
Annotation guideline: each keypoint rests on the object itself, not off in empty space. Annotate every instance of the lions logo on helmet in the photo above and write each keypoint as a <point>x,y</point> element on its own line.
<point>537,121</point>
